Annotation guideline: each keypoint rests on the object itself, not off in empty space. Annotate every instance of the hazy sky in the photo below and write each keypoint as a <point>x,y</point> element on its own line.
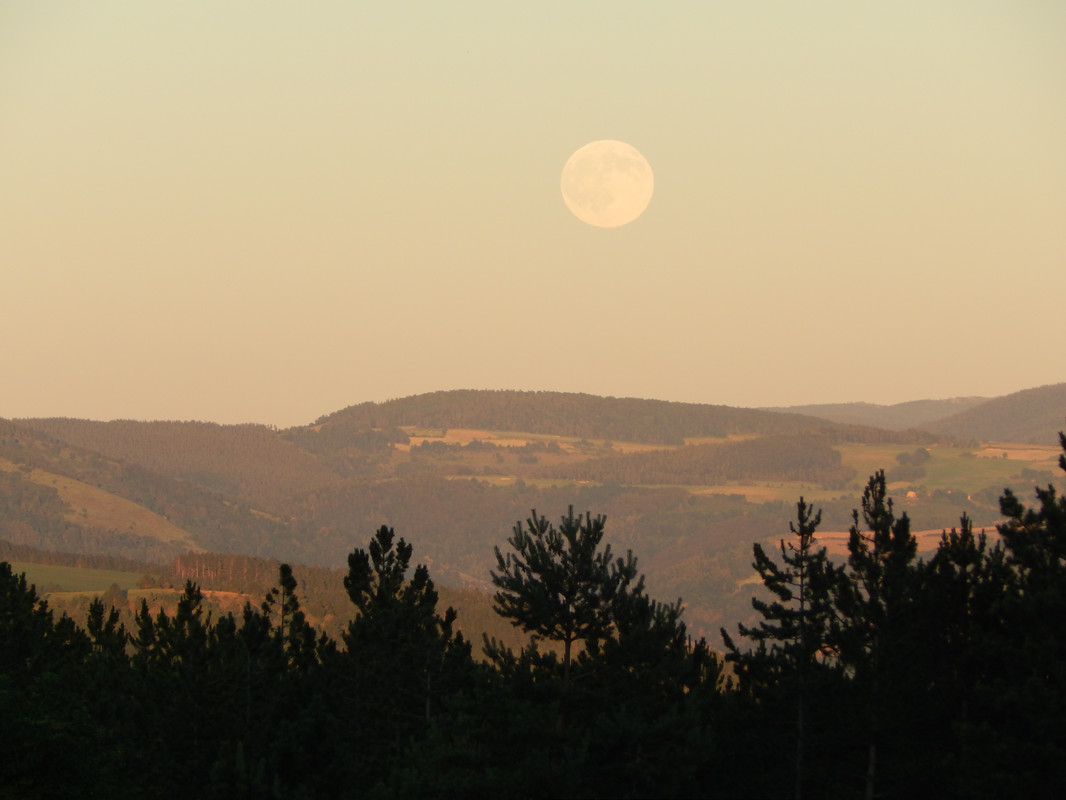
<point>267,211</point>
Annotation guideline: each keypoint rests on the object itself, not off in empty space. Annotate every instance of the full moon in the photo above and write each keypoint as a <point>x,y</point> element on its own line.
<point>607,183</point>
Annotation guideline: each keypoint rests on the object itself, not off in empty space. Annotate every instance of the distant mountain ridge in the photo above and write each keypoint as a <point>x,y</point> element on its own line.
<point>1031,415</point>
<point>894,417</point>
<point>624,419</point>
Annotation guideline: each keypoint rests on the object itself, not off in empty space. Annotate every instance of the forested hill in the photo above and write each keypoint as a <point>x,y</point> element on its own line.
<point>466,465</point>
<point>624,419</point>
<point>62,496</point>
<point>251,461</point>
<point>895,417</point>
<point>1032,415</point>
<point>767,458</point>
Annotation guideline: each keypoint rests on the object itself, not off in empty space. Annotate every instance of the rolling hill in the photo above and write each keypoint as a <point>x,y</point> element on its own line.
<point>579,416</point>
<point>687,487</point>
<point>1031,415</point>
<point>895,417</point>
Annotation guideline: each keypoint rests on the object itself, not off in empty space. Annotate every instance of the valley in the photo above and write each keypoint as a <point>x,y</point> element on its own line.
<point>687,488</point>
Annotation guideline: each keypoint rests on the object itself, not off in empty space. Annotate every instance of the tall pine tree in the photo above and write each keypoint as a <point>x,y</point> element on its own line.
<point>873,599</point>
<point>790,640</point>
<point>558,583</point>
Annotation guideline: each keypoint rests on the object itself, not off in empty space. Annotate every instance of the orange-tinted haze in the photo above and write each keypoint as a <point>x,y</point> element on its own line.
<point>257,211</point>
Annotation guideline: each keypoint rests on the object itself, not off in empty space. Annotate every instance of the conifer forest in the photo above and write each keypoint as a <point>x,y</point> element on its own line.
<point>877,673</point>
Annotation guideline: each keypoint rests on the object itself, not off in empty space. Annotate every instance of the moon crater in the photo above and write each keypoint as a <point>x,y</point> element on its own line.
<point>607,183</point>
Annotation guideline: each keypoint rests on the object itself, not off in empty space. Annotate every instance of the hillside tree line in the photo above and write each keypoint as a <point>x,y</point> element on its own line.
<point>881,675</point>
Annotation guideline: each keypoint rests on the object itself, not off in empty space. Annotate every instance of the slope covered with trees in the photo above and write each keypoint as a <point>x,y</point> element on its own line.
<point>1025,416</point>
<point>307,495</point>
<point>768,458</point>
<point>882,673</point>
<point>924,677</point>
<point>896,417</point>
<point>255,704</point>
<point>249,461</point>
<point>573,415</point>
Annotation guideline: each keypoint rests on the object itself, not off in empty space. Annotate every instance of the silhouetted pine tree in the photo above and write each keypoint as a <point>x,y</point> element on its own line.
<point>294,633</point>
<point>959,639</point>
<point>558,583</point>
<point>790,654</point>
<point>1021,743</point>
<point>628,701</point>
<point>402,659</point>
<point>875,613</point>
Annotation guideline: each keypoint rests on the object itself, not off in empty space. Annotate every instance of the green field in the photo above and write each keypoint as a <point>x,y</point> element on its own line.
<point>962,468</point>
<point>49,578</point>
<point>966,469</point>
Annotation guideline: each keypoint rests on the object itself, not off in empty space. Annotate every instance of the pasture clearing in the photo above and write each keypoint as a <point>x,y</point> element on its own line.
<point>960,468</point>
<point>75,580</point>
<point>94,507</point>
<point>569,444</point>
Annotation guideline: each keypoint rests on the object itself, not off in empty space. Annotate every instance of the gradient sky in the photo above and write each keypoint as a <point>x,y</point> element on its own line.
<point>267,211</point>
